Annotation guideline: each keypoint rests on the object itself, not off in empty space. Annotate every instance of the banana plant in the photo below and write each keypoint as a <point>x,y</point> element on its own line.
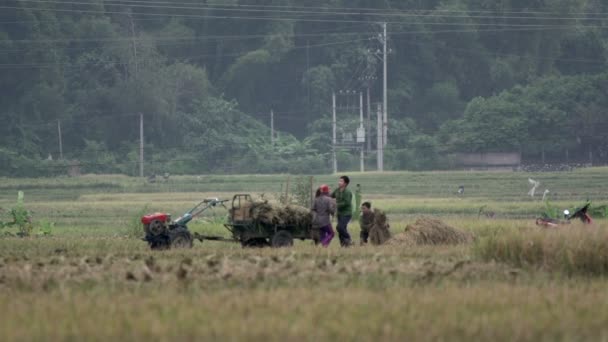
<point>21,217</point>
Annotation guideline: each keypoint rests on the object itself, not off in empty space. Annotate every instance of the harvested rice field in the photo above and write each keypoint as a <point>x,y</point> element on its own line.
<point>458,268</point>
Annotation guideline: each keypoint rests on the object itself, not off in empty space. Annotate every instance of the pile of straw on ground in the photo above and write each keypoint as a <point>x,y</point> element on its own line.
<point>379,233</point>
<point>429,231</point>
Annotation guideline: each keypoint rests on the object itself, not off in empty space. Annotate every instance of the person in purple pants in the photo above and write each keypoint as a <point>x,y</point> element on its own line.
<point>322,208</point>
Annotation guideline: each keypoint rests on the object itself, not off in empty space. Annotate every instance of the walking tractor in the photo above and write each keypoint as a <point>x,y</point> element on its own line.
<point>246,228</point>
<point>163,233</point>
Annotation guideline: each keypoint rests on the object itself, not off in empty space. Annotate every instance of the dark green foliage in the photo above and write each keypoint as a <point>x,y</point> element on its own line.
<point>20,217</point>
<point>134,227</point>
<point>552,211</point>
<point>45,228</point>
<point>464,75</point>
<point>599,211</point>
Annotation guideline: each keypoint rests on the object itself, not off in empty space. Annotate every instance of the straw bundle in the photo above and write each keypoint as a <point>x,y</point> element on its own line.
<point>429,231</point>
<point>282,215</point>
<point>379,233</point>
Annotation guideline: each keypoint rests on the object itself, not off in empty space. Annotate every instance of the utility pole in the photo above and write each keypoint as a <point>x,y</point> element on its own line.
<point>272,127</point>
<point>362,130</point>
<point>379,147</point>
<point>141,145</point>
<point>333,125</point>
<point>368,79</point>
<point>369,121</point>
<point>60,142</point>
<point>385,107</point>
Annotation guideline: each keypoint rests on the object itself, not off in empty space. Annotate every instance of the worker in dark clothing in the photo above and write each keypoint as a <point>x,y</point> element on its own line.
<point>366,220</point>
<point>344,206</point>
<point>323,207</point>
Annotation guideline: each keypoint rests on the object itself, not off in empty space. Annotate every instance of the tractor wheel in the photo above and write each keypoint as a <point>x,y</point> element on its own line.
<point>255,243</point>
<point>180,238</point>
<point>159,242</point>
<point>282,239</point>
<point>156,227</point>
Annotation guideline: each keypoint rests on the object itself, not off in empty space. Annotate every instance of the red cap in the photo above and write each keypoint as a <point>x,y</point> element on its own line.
<point>324,188</point>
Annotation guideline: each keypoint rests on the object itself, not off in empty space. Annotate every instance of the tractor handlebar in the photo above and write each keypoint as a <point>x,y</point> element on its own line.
<point>209,203</point>
<point>214,201</point>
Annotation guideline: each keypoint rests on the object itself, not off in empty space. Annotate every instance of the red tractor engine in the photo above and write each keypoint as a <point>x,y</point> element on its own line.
<point>156,224</point>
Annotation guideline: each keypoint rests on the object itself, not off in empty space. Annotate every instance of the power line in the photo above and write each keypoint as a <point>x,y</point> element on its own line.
<point>364,9</point>
<point>305,11</point>
<point>71,64</point>
<point>313,33</point>
<point>198,38</point>
<point>312,20</point>
<point>489,53</point>
<point>185,40</point>
<point>355,75</point>
<point>368,9</point>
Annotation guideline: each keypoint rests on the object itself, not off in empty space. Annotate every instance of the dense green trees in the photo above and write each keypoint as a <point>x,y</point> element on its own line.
<point>464,75</point>
<point>552,114</point>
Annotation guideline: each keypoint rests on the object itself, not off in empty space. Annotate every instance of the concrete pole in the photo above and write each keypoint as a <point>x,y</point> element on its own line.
<point>379,147</point>
<point>385,105</point>
<point>361,110</point>
<point>362,145</point>
<point>141,145</point>
<point>60,141</point>
<point>333,124</point>
<point>272,127</point>
<point>369,122</point>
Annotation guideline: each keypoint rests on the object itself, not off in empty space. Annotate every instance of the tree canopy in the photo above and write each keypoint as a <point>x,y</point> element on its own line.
<point>463,76</point>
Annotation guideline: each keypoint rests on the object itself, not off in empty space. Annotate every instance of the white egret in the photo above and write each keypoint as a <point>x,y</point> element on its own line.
<point>534,184</point>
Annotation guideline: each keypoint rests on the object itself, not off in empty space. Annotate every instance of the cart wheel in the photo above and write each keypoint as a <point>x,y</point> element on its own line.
<point>180,238</point>
<point>282,239</point>
<point>255,243</point>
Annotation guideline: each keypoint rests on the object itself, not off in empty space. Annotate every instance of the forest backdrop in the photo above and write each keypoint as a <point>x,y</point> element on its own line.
<point>527,76</point>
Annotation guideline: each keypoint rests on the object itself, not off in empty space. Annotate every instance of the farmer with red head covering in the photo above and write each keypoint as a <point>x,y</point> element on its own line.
<point>323,207</point>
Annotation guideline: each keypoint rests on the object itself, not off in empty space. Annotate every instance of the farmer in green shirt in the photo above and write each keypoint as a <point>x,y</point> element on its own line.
<point>344,207</point>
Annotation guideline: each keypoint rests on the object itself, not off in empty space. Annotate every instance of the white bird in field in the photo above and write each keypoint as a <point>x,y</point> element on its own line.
<point>534,184</point>
<point>545,194</point>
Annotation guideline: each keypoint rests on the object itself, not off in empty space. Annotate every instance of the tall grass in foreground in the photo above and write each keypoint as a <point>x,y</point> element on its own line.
<point>486,312</point>
<point>574,249</point>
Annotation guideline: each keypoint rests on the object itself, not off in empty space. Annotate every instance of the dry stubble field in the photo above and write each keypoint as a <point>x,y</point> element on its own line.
<point>91,281</point>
